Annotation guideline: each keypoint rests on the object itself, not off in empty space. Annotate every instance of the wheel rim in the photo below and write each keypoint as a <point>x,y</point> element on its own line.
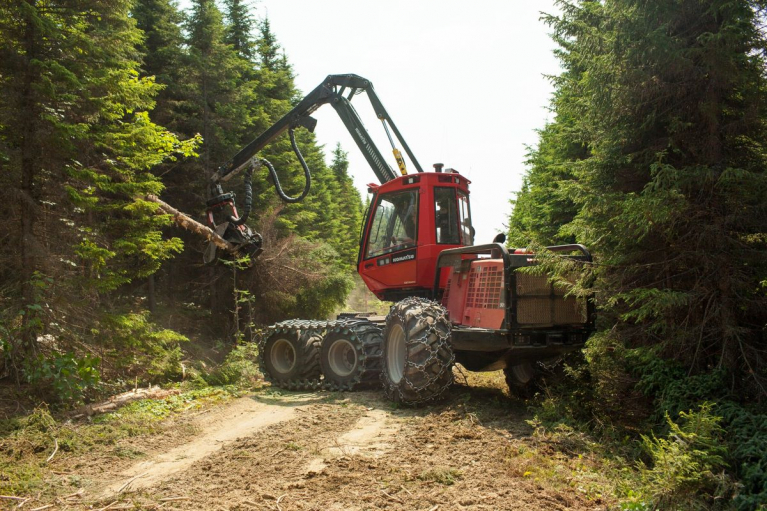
<point>342,357</point>
<point>523,372</point>
<point>396,353</point>
<point>282,356</point>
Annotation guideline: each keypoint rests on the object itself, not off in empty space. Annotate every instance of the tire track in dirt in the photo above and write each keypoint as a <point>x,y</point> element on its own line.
<point>371,437</point>
<point>354,452</point>
<point>242,418</point>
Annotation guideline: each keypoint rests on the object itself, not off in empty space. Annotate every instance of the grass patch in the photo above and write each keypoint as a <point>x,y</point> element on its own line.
<point>147,411</point>
<point>566,460</point>
<point>442,475</point>
<point>292,446</point>
<point>127,452</point>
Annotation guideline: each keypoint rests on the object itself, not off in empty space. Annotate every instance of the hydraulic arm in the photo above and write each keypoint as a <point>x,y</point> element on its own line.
<point>338,90</point>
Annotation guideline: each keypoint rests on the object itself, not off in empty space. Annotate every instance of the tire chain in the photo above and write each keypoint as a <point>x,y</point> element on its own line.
<point>370,360</point>
<point>438,347</point>
<point>303,329</point>
<point>369,349</point>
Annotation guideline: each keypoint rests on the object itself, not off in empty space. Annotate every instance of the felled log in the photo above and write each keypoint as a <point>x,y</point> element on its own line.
<point>120,400</point>
<point>186,222</point>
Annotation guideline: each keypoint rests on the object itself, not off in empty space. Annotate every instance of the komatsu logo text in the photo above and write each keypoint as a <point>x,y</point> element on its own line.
<point>362,137</point>
<point>370,151</point>
<point>403,256</point>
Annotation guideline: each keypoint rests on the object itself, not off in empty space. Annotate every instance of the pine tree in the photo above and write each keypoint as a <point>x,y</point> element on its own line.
<point>275,93</point>
<point>268,47</point>
<point>350,208</point>
<point>238,29</point>
<point>162,54</point>
<point>673,195</point>
<point>78,145</point>
<point>277,79</point>
<point>657,160</point>
<point>544,204</point>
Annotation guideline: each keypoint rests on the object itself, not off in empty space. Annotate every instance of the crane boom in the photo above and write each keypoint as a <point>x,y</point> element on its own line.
<point>332,90</point>
<point>338,90</point>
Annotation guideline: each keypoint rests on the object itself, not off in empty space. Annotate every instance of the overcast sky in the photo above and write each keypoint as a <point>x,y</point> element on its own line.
<point>463,81</point>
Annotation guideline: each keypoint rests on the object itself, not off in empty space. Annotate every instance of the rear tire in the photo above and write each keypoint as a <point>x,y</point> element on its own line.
<point>417,356</point>
<point>290,357</point>
<point>521,379</point>
<point>528,378</point>
<point>351,355</point>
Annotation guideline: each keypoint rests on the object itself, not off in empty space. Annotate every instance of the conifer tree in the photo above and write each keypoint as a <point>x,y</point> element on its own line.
<point>350,207</point>
<point>658,137</point>
<point>673,191</point>
<point>215,108</point>
<point>275,92</point>
<point>162,54</point>
<point>656,162</point>
<point>239,32</point>
<point>78,144</point>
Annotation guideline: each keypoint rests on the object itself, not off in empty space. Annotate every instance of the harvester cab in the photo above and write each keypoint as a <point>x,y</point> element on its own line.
<point>411,220</point>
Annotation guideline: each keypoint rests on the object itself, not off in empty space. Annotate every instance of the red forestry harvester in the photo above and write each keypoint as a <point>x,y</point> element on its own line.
<point>453,301</point>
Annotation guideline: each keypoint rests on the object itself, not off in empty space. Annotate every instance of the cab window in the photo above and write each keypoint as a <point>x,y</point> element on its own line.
<point>467,231</point>
<point>446,216</point>
<point>395,223</point>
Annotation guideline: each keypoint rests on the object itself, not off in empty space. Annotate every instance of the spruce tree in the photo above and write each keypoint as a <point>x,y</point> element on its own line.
<point>655,161</point>
<point>673,193</point>
<point>657,158</point>
<point>545,204</point>
<point>239,32</point>
<point>350,208</point>
<point>78,144</point>
<point>162,54</point>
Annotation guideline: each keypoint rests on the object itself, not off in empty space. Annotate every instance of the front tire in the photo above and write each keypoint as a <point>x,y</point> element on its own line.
<point>417,356</point>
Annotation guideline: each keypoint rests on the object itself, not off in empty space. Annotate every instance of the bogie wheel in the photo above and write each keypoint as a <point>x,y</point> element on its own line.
<point>351,354</point>
<point>527,378</point>
<point>290,357</point>
<point>417,356</point>
<point>522,379</point>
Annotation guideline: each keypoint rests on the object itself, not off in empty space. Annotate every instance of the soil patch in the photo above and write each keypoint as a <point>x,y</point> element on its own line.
<point>283,451</point>
<point>240,419</point>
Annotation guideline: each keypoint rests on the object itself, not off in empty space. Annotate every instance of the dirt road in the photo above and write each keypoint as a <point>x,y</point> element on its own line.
<point>286,451</point>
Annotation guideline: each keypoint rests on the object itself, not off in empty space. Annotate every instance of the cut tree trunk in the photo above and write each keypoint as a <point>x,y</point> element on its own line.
<point>186,222</point>
<point>120,400</point>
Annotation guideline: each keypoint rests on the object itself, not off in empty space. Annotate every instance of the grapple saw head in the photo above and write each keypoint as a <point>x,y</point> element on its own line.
<point>222,217</point>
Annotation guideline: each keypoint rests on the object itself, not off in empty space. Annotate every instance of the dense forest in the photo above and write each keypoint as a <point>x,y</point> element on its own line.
<point>655,158</point>
<point>105,103</point>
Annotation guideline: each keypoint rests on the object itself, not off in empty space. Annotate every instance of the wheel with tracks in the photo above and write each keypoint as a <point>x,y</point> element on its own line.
<point>417,356</point>
<point>290,356</point>
<point>351,355</point>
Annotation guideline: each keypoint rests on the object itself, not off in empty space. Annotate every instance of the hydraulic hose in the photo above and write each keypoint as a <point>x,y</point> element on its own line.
<point>307,174</point>
<point>248,205</point>
<point>248,199</point>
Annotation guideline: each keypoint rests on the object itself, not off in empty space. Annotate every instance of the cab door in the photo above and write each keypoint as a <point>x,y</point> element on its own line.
<point>389,250</point>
